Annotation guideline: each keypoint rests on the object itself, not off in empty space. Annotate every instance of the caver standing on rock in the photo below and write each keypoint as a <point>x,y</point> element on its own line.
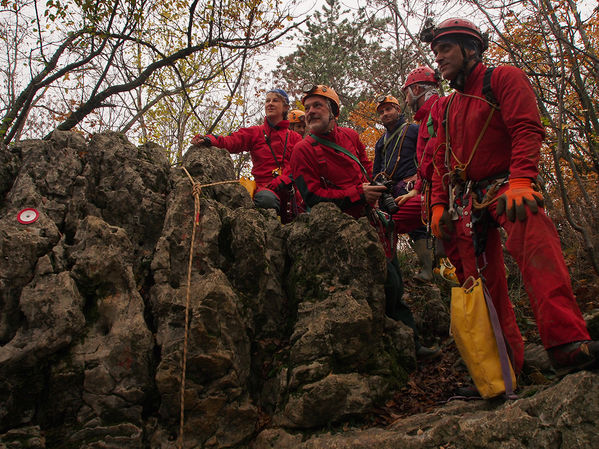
<point>422,96</point>
<point>493,135</point>
<point>331,165</point>
<point>270,146</point>
<point>395,166</point>
<point>297,121</point>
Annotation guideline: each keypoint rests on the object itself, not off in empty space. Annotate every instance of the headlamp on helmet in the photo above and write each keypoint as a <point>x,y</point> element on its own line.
<point>324,91</point>
<point>382,99</point>
<point>296,116</point>
<point>454,27</point>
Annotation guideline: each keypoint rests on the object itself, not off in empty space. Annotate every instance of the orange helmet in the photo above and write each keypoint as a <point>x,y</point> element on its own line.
<point>296,116</point>
<point>324,91</point>
<point>421,75</point>
<point>386,99</point>
<point>454,27</point>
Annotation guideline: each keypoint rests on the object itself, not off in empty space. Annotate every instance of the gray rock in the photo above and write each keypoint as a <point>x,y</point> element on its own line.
<point>563,416</point>
<point>288,342</point>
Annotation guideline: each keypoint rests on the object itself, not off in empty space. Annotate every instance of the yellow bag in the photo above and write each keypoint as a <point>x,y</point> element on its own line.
<point>249,184</point>
<point>471,313</point>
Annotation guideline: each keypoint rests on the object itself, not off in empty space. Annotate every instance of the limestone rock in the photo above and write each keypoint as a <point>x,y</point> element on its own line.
<point>287,340</point>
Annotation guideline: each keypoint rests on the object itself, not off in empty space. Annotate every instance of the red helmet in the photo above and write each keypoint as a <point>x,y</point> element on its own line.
<point>421,75</point>
<point>452,27</point>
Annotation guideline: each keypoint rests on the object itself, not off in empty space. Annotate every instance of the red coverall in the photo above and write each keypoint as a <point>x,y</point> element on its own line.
<point>323,174</point>
<point>412,213</point>
<point>254,140</point>
<point>511,144</point>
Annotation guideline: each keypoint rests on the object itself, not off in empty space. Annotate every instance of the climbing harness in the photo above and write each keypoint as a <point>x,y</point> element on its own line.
<point>276,172</point>
<point>456,178</point>
<point>290,209</point>
<point>383,223</point>
<point>402,130</point>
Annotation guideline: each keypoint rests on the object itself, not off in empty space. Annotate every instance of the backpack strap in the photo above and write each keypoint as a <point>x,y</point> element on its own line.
<point>487,90</point>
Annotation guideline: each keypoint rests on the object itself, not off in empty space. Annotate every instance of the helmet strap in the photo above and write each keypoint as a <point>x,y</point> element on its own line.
<point>459,82</point>
<point>415,98</point>
<point>430,92</point>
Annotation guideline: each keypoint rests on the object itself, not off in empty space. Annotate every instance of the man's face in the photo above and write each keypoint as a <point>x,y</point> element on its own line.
<point>449,59</point>
<point>299,128</point>
<point>388,114</point>
<point>318,116</point>
<point>274,107</point>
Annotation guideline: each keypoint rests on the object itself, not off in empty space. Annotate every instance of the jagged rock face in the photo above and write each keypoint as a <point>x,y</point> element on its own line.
<point>287,331</point>
<point>77,354</point>
<point>95,292</point>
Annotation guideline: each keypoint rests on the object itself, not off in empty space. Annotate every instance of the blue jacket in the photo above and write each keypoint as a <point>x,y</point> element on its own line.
<point>397,163</point>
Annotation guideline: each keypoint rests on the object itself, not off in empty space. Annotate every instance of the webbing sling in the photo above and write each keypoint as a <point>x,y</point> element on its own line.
<point>430,124</point>
<point>388,140</point>
<point>339,148</point>
<point>398,146</point>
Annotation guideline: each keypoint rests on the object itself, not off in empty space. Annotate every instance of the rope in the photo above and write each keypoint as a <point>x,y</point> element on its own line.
<point>459,169</point>
<point>196,190</point>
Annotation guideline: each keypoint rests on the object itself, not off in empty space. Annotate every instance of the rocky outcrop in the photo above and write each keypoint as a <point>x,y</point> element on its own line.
<point>563,416</point>
<point>287,332</point>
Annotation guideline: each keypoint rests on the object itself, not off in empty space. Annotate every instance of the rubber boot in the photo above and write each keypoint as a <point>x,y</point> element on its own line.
<point>425,256</point>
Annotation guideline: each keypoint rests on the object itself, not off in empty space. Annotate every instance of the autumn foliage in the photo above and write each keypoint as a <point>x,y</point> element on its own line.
<point>365,120</point>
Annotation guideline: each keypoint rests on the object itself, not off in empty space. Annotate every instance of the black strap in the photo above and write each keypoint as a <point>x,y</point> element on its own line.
<point>267,140</point>
<point>487,90</point>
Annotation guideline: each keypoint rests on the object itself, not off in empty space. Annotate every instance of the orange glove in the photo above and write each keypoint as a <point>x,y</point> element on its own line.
<point>441,223</point>
<point>519,193</point>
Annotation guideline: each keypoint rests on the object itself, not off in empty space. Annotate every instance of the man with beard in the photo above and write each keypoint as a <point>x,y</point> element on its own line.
<point>395,165</point>
<point>331,165</point>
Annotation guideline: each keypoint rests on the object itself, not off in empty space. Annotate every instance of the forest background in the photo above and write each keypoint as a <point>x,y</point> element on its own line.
<point>165,71</point>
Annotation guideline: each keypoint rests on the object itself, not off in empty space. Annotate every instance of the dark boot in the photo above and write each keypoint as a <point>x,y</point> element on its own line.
<point>424,353</point>
<point>575,356</point>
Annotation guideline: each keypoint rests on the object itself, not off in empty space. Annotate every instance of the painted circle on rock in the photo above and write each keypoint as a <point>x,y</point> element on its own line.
<point>27,216</point>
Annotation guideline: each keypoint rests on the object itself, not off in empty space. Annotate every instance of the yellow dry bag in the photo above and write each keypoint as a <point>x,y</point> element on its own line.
<point>471,313</point>
<point>249,184</point>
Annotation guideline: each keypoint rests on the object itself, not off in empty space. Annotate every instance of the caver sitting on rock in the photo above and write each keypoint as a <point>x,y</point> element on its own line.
<point>331,165</point>
<point>270,146</point>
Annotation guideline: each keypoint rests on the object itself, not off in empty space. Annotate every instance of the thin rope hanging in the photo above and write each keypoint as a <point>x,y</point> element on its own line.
<point>196,190</point>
